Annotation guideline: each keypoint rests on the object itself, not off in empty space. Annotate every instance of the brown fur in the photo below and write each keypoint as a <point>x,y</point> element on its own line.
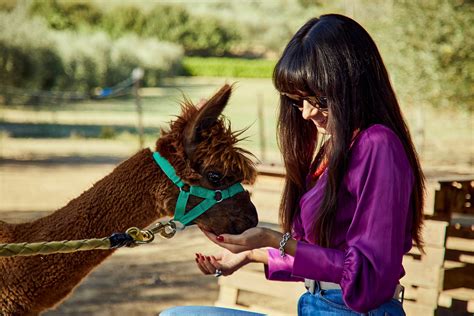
<point>136,193</point>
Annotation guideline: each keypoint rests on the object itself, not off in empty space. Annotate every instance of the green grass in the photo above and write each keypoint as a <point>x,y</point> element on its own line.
<point>228,67</point>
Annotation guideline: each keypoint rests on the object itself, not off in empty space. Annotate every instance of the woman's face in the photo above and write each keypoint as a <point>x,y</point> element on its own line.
<point>311,108</point>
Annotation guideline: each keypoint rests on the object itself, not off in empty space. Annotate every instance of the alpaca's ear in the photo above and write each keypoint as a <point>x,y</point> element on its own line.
<point>206,116</point>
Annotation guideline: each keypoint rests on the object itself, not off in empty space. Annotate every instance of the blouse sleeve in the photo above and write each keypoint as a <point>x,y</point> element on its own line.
<point>380,179</point>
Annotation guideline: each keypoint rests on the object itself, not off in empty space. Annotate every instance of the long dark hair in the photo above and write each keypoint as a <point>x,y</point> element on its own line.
<point>334,56</point>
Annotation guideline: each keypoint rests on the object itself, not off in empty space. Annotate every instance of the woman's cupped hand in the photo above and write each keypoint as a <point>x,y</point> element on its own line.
<point>238,250</point>
<point>227,262</point>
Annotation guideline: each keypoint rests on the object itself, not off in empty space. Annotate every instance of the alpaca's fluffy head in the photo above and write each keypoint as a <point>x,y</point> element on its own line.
<point>203,149</point>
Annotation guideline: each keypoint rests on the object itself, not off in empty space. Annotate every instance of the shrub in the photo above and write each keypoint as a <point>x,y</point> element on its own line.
<point>27,54</point>
<point>34,57</point>
<point>203,36</point>
<point>156,58</point>
<point>67,14</point>
<point>85,59</point>
<point>206,36</point>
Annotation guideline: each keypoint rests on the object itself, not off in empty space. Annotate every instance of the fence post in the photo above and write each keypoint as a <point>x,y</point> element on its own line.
<point>420,130</point>
<point>261,126</point>
<point>137,75</point>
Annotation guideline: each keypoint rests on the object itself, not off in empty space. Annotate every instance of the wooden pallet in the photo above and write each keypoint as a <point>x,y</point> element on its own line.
<point>424,272</point>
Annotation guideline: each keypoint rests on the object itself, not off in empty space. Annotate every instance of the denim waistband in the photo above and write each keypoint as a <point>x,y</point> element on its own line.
<point>314,286</point>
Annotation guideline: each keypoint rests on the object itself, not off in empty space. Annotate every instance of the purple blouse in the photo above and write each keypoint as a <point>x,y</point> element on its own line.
<point>373,225</point>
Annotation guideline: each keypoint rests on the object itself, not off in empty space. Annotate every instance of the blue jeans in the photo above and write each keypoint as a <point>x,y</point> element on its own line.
<point>330,302</point>
<point>205,311</point>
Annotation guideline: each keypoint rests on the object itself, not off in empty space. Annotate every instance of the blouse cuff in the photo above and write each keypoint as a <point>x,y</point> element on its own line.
<point>318,263</point>
<point>279,268</point>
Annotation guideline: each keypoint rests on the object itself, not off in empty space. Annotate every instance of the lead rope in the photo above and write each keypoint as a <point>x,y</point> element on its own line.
<point>131,238</point>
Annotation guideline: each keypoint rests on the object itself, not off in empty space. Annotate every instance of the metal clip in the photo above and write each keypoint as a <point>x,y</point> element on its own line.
<point>169,230</point>
<point>166,230</point>
<point>141,236</point>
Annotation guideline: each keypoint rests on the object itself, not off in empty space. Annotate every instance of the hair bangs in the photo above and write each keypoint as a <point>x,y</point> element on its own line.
<point>291,72</point>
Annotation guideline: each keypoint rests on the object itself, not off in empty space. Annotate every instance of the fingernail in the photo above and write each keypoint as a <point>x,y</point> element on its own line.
<point>208,258</point>
<point>220,238</point>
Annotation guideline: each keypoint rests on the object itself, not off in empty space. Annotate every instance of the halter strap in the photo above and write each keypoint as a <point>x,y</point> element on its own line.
<point>211,197</point>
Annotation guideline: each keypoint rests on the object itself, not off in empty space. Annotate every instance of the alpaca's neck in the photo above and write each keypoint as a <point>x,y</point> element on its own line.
<point>122,199</point>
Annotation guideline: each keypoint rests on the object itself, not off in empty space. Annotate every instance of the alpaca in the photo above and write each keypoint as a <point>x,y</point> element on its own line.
<point>200,146</point>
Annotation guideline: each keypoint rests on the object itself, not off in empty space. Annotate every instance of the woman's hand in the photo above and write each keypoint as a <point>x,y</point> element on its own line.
<point>253,238</point>
<point>227,262</point>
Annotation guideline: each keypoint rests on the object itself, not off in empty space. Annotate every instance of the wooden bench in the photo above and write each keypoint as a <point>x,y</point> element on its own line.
<point>425,272</point>
<point>429,285</point>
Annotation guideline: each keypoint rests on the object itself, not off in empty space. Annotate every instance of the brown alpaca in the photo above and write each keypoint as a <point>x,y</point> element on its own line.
<point>201,148</point>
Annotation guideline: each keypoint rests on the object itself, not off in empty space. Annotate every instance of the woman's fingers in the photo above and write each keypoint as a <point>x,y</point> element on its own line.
<point>208,265</point>
<point>224,238</point>
<point>211,236</point>
<point>200,260</point>
<point>229,242</point>
<point>201,267</point>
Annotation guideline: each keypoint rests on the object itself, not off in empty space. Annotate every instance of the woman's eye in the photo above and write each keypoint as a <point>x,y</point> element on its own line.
<point>214,178</point>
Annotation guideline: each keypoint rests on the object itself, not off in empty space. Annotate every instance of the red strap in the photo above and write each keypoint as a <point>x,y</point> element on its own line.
<point>323,165</point>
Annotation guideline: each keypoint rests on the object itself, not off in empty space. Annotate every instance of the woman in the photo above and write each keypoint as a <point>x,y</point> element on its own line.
<point>354,207</point>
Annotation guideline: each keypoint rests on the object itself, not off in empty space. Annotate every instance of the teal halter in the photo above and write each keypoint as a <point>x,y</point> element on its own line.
<point>211,197</point>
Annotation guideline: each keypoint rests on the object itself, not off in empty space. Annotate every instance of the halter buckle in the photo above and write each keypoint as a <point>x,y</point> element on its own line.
<point>219,196</point>
<point>184,188</point>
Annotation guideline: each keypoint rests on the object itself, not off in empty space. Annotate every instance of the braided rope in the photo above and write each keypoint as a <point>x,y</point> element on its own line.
<point>44,248</point>
<point>131,238</point>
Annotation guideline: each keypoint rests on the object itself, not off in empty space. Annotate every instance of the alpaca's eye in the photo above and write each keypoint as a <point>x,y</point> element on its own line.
<point>215,178</point>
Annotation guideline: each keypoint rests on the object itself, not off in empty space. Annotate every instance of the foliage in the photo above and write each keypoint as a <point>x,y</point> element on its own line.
<point>434,59</point>
<point>35,57</point>
<point>27,54</point>
<point>263,26</point>
<point>7,5</point>
<point>156,58</point>
<point>309,3</point>
<point>174,24</point>
<point>66,15</point>
<point>228,67</point>
<point>427,47</point>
